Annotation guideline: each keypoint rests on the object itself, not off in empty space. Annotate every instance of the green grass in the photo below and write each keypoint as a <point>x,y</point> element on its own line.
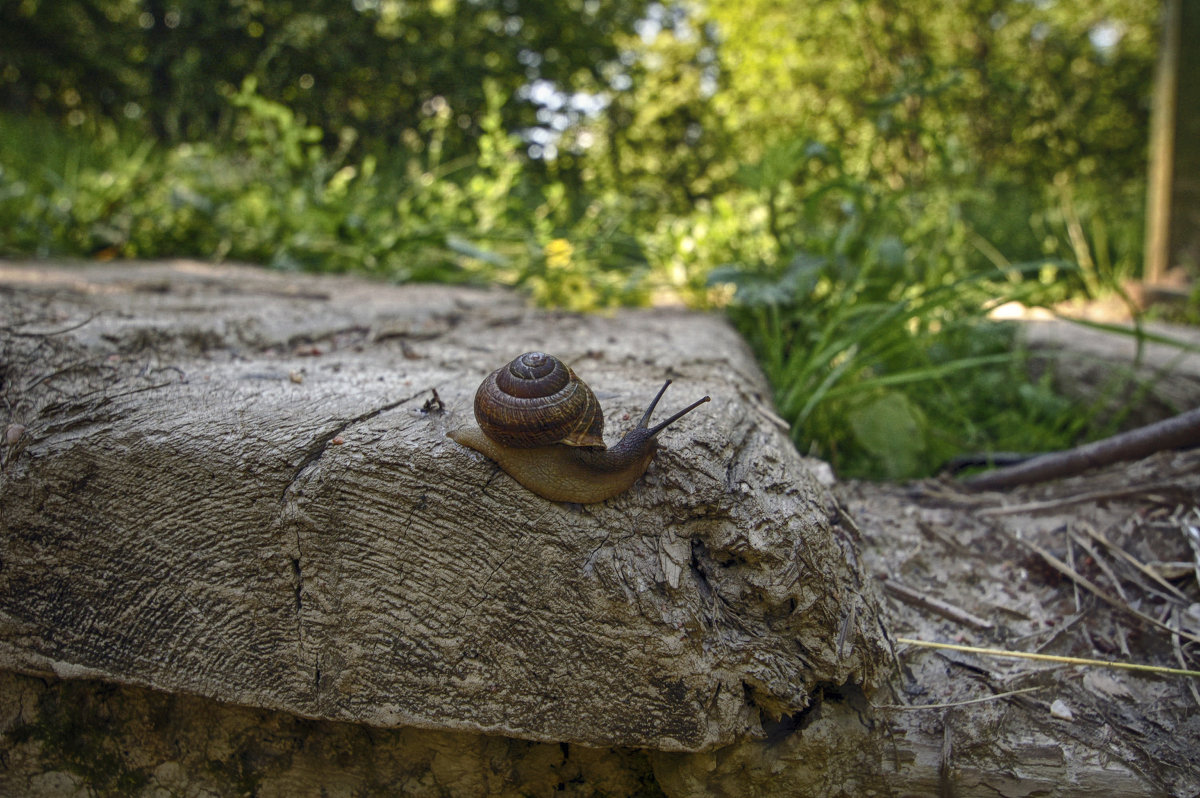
<point>272,200</point>
<point>274,196</point>
<point>894,388</point>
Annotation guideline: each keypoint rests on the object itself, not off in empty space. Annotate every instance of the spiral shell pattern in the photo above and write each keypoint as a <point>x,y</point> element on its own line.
<point>536,400</point>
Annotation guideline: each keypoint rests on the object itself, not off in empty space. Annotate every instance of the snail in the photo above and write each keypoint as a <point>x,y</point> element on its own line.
<point>544,426</point>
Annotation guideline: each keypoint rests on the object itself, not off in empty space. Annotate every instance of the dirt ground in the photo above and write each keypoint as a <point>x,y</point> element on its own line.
<point>1101,566</point>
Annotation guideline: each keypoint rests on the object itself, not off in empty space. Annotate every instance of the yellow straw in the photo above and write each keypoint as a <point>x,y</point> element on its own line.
<point>999,652</point>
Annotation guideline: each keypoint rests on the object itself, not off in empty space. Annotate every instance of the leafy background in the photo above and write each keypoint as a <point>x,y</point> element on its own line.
<point>857,182</point>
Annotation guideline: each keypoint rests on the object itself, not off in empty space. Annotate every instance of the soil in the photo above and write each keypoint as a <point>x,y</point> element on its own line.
<point>1102,566</point>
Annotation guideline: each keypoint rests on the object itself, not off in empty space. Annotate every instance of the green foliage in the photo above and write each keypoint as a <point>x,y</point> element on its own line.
<point>371,65</point>
<point>871,322</point>
<point>1007,113</point>
<point>894,387</point>
<point>276,196</point>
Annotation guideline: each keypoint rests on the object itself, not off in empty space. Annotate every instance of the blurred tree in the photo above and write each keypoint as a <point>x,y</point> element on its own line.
<point>1021,116</point>
<point>898,88</point>
<point>377,66</point>
<point>69,58</point>
<point>762,127</point>
<point>660,136</point>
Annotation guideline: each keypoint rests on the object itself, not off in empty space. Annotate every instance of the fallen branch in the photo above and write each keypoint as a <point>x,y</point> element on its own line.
<point>1179,432</point>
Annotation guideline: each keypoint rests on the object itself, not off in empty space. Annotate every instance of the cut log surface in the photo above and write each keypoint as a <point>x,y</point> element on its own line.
<point>237,484</point>
<point>239,555</point>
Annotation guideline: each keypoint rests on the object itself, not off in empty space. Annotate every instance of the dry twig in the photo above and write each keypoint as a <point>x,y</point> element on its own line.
<point>1099,663</point>
<point>1144,491</point>
<point>1179,432</point>
<point>942,608</point>
<point>1095,590</point>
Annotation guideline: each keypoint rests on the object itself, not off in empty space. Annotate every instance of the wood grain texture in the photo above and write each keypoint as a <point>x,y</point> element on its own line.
<point>226,482</point>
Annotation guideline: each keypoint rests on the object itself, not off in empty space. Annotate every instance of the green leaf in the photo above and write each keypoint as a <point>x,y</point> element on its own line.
<point>892,429</point>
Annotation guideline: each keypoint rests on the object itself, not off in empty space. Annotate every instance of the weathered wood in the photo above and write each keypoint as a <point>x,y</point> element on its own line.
<point>228,484</point>
<point>233,487</point>
<point>1173,189</point>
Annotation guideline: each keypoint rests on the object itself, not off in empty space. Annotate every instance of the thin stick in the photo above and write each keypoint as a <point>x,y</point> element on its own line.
<point>936,605</point>
<point>1134,561</point>
<point>1099,663</point>
<point>981,700</point>
<point>48,333</point>
<point>1092,588</point>
<point>1100,562</point>
<point>1179,655</point>
<point>1136,491</point>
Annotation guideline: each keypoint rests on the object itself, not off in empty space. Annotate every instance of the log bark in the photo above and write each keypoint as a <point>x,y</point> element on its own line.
<point>230,518</point>
<point>234,484</point>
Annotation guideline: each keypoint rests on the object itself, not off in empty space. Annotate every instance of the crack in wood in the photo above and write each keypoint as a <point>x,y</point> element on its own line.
<point>321,443</point>
<point>311,456</point>
<point>298,578</point>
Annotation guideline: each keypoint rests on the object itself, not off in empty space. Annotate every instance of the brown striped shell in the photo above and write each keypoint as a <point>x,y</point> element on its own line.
<point>536,400</point>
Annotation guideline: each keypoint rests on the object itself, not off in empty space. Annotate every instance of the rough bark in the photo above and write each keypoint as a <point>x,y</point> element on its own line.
<point>1039,728</point>
<point>229,484</point>
<point>232,488</point>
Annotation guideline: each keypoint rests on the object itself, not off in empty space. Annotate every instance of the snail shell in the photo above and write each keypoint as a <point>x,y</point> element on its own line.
<point>544,427</point>
<point>537,400</point>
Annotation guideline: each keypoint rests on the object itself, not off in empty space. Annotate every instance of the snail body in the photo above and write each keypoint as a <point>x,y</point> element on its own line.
<point>544,427</point>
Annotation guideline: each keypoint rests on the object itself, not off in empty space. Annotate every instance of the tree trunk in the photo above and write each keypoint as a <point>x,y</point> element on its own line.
<point>221,483</point>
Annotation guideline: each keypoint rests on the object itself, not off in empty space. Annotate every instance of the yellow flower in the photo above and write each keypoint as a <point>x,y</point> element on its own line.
<point>558,254</point>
